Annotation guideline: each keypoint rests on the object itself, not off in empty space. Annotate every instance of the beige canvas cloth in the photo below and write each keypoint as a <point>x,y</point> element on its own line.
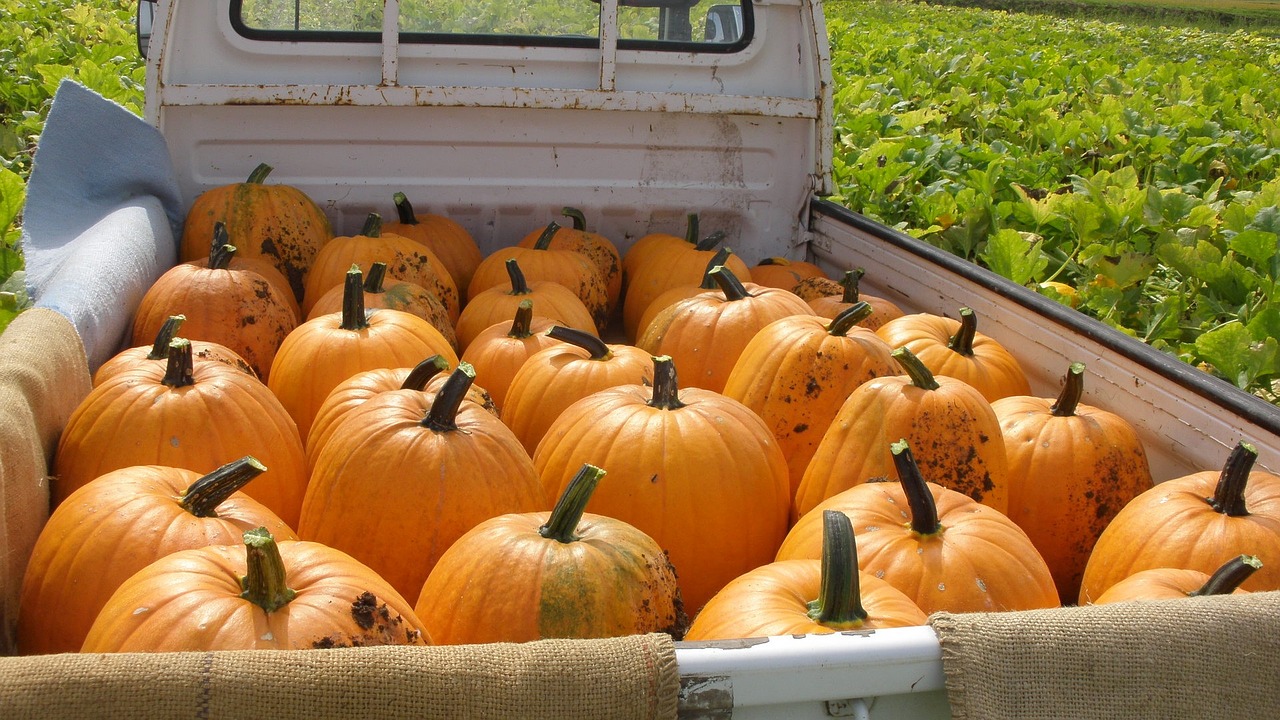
<point>623,678</point>
<point>1213,657</point>
<point>43,377</point>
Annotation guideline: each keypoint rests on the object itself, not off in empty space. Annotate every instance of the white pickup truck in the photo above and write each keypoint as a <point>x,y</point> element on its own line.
<point>636,112</point>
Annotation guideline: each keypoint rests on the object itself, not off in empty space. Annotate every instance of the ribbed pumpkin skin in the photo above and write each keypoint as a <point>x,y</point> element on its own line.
<point>276,222</point>
<point>953,431</point>
<point>504,582</point>
<point>795,374</point>
<point>267,270</point>
<point>320,353</point>
<point>396,295</point>
<point>1068,477</point>
<point>980,561</point>
<point>707,481</point>
<point>498,303</point>
<point>407,260</point>
<point>1172,525</point>
<point>395,494</point>
<point>238,309</point>
<point>135,419</point>
<point>597,248</point>
<point>1157,584</point>
<point>680,264</point>
<point>992,369</point>
<point>201,351</point>
<point>194,604</point>
<point>773,600</point>
<point>706,334</point>
<point>108,530</point>
<point>567,268</point>
<point>497,355</point>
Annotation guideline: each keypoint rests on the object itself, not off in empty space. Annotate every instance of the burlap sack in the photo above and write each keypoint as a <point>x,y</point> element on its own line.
<point>43,377</point>
<point>631,677</point>
<point>1211,657</point>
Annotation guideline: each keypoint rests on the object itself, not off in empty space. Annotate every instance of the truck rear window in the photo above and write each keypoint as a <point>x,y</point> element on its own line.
<point>680,25</point>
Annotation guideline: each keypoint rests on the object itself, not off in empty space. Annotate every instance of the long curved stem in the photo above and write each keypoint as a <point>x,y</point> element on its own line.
<point>849,318</point>
<point>729,284</point>
<point>579,220</point>
<point>404,209</point>
<point>920,375</point>
<point>204,496</point>
<point>595,347</point>
<point>839,602</point>
<point>519,285</point>
<point>422,373</point>
<point>443,415</point>
<point>1228,496</point>
<point>544,240</point>
<point>1230,576</point>
<point>568,511</point>
<point>160,348</point>
<point>924,510</point>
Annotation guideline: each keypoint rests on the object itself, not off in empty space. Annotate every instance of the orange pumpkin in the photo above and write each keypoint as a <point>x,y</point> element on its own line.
<point>956,434</point>
<point>1194,522</point>
<point>561,574</point>
<point>657,244</point>
<point>188,416</point>
<point>956,349</point>
<point>553,379</point>
<point>793,597</point>
<point>1174,583</point>
<point>257,596</point>
<point>260,265</point>
<point>783,273</point>
<point>499,350</point>
<point>157,353</point>
<point>705,334</point>
<point>406,474</point>
<point>118,524</point>
<point>816,288</point>
<point>882,310</point>
<point>951,553</point>
<point>447,239</point>
<point>324,351</point>
<point>277,222</point>
<point>675,294</point>
<point>399,295</point>
<point>1071,468</point>
<point>597,248</point>
<point>499,303</point>
<point>238,309</point>
<point>698,472</point>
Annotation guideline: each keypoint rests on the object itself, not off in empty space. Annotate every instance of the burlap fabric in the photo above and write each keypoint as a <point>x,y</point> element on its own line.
<point>43,376</point>
<point>1213,657</point>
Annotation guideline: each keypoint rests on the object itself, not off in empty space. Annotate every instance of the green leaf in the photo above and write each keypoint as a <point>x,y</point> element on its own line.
<point>1257,245</point>
<point>1015,255</point>
<point>1235,355</point>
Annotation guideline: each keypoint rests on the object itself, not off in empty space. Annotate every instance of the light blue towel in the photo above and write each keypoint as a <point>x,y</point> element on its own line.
<point>102,217</point>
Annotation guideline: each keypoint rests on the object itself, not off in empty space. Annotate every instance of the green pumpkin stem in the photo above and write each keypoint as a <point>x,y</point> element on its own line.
<point>1072,389</point>
<point>519,286</point>
<point>848,319</point>
<point>729,283</point>
<point>523,321</point>
<point>353,317</point>
<point>160,348</point>
<point>404,210</point>
<point>548,232</point>
<point>206,494</point>
<point>962,341</point>
<point>372,226</point>
<point>666,389</point>
<point>422,373</point>
<point>691,229</point>
<point>568,511</point>
<point>264,583</point>
<point>180,372</point>
<point>219,255</point>
<point>920,375</point>
<point>1228,496</point>
<point>579,220</point>
<point>259,174</point>
<point>850,282</point>
<point>710,241</point>
<point>924,510</point>
<point>373,282</point>
<point>443,415</point>
<point>585,340</point>
<point>839,603</point>
<point>1226,579</point>
<point>720,258</point>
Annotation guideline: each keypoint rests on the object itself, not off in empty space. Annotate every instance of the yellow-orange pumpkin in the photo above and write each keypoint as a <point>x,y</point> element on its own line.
<point>847,294</point>
<point>499,350</point>
<point>1174,583</point>
<point>446,237</point>
<point>499,303</point>
<point>597,248</point>
<point>157,353</point>
<point>396,295</point>
<point>956,349</point>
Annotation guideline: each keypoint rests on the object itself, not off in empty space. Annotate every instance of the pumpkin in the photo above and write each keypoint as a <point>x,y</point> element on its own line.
<point>398,295</point>
<point>1071,468</point>
<point>783,273</point>
<point>793,597</point>
<point>261,595</point>
<point>597,248</point>
<point>260,265</point>
<point>540,261</point>
<point>951,553</point>
<point>698,472</point>
<point>449,241</point>
<point>116,525</point>
<point>499,350</point>
<point>1193,522</point>
<point>406,474</point>
<point>553,379</point>
<point>955,433</point>
<point>705,334</point>
<point>956,349</point>
<point>816,288</point>
<point>1174,583</point>
<point>277,222</point>
<point>675,294</point>
<point>238,309</point>
<point>797,372</point>
<point>323,352</point>
<point>406,260</point>
<point>562,574</point>
<point>158,353</point>
<point>183,415</point>
<point>499,303</point>
<point>882,310</point>
<point>657,244</point>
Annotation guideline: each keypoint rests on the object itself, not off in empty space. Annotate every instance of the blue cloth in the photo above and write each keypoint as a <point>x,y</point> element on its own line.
<point>102,218</point>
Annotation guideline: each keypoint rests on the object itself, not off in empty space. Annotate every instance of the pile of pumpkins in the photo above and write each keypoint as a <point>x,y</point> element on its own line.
<point>325,441</point>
